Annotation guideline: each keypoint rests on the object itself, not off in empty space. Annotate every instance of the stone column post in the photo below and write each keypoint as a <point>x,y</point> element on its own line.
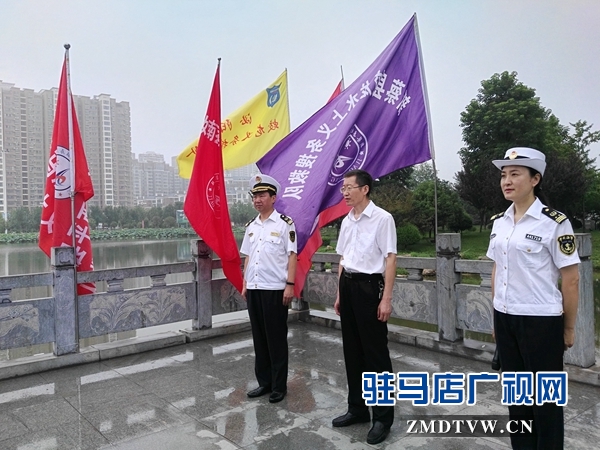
<point>582,354</point>
<point>202,255</point>
<point>66,317</point>
<point>447,248</point>
<point>299,304</point>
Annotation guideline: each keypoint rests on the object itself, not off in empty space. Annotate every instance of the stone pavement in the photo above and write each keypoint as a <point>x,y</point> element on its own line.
<point>194,397</point>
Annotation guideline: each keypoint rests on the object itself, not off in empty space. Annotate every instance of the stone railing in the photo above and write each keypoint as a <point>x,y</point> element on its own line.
<point>444,302</point>
<point>65,318</point>
<point>453,306</point>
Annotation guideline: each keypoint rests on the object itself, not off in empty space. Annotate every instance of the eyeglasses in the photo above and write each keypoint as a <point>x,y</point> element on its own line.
<point>347,188</point>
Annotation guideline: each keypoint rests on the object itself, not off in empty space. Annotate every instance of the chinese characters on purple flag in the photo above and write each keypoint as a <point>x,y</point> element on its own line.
<point>378,124</point>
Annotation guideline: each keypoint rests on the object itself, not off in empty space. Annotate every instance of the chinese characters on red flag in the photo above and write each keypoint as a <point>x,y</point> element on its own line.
<point>206,201</point>
<point>56,227</point>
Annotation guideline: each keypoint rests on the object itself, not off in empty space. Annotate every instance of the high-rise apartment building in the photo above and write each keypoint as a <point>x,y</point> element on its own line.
<point>21,146</point>
<point>237,183</point>
<point>26,123</point>
<point>105,126</point>
<point>157,183</point>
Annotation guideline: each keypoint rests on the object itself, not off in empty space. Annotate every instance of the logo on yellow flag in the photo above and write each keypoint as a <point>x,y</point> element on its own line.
<point>250,131</point>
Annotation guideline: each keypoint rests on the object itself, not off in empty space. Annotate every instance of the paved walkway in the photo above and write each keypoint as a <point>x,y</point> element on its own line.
<point>194,397</point>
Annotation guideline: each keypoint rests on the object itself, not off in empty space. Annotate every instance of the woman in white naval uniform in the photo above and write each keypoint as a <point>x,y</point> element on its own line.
<point>532,247</point>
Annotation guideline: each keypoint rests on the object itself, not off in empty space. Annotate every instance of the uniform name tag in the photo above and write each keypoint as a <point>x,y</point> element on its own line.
<point>533,237</point>
<point>274,233</point>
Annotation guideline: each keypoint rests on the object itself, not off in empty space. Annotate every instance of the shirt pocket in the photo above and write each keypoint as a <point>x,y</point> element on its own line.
<point>366,242</point>
<point>531,254</point>
<point>274,244</point>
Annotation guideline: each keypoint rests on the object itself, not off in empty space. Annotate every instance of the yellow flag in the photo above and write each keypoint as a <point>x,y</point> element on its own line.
<point>250,131</point>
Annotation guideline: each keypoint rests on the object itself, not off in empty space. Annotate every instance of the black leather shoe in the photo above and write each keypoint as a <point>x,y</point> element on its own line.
<point>276,397</point>
<point>349,419</point>
<point>377,433</point>
<point>259,391</point>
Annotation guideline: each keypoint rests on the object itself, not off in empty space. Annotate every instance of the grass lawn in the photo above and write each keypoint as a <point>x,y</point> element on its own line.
<point>474,246</point>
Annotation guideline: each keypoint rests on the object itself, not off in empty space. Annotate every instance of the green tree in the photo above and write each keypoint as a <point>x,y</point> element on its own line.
<point>111,217</point>
<point>169,222</point>
<point>592,200</point>
<point>506,114</point>
<point>421,173</point>
<point>391,192</point>
<point>17,220</point>
<point>156,221</point>
<point>395,199</point>
<point>33,218</point>
<point>460,221</point>
<point>407,235</point>
<point>240,213</point>
<point>580,139</point>
<point>399,177</point>
<point>449,204</point>
<point>97,215</point>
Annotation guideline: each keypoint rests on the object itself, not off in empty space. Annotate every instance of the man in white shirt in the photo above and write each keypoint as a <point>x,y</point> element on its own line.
<point>367,244</point>
<point>269,271</point>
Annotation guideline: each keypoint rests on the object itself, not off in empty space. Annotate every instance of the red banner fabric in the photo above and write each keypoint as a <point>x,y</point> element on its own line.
<point>56,227</point>
<point>206,201</point>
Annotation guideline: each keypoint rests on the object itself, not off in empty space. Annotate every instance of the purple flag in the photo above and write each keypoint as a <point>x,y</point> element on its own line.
<point>378,124</point>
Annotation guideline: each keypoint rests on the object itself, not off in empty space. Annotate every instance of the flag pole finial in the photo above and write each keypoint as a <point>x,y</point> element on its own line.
<point>67,46</point>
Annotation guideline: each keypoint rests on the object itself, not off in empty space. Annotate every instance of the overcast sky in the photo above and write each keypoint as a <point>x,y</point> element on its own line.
<point>160,56</point>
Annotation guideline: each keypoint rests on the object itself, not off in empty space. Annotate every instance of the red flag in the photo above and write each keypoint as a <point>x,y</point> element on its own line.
<point>338,90</point>
<point>315,241</point>
<point>206,202</point>
<point>56,227</point>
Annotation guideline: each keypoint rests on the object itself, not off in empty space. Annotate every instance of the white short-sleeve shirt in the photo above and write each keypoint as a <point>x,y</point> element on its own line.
<point>366,241</point>
<point>268,246</point>
<point>528,257</point>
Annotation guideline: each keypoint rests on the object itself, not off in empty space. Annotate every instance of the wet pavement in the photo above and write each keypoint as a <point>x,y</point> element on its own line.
<point>193,396</point>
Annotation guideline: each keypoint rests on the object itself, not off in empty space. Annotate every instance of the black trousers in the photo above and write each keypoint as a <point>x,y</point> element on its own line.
<point>533,344</point>
<point>365,342</point>
<point>268,318</point>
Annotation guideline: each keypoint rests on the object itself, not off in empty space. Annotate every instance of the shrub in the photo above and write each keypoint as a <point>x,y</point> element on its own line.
<point>408,234</point>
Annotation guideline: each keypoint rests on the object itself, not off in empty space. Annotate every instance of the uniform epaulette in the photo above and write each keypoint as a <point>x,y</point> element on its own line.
<point>555,215</point>
<point>249,222</point>
<point>497,216</point>
<point>287,219</point>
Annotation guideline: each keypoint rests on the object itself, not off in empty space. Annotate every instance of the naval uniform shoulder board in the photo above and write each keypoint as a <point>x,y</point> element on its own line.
<point>287,219</point>
<point>555,215</point>
<point>496,216</point>
<point>249,222</point>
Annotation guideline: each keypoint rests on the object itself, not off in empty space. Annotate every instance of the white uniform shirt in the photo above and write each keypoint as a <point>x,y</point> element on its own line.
<point>528,256</point>
<point>268,245</point>
<point>365,242</point>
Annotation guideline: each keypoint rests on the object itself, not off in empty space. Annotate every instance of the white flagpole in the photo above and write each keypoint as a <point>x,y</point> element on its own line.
<point>71,149</point>
<point>72,170</point>
<point>342,72</point>
<point>287,87</point>
<point>429,125</point>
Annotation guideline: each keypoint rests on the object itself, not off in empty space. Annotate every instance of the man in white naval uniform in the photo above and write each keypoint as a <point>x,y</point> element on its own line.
<point>269,271</point>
